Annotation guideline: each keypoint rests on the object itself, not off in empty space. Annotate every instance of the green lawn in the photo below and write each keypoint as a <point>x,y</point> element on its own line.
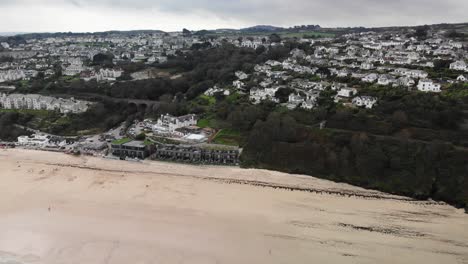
<point>39,113</point>
<point>203,123</point>
<point>211,122</point>
<point>121,141</point>
<point>228,137</point>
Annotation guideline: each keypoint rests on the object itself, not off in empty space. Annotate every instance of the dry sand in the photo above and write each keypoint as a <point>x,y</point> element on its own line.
<point>56,208</point>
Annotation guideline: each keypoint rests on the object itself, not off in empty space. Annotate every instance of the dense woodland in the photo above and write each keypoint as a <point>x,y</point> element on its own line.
<point>411,144</point>
<point>420,169</point>
<point>8,129</point>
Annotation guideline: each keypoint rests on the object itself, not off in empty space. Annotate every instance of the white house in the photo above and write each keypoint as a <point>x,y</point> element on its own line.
<point>169,123</point>
<point>426,85</point>
<point>251,44</point>
<point>238,84</point>
<point>367,66</point>
<point>295,100</point>
<point>366,101</point>
<point>257,95</point>
<point>338,86</point>
<point>161,59</point>
<point>12,75</point>
<point>457,45</point>
<point>139,57</point>
<point>342,73</point>
<point>385,79</point>
<point>405,81</point>
<point>347,92</point>
<point>151,60</point>
<point>39,140</point>
<point>370,78</point>
<point>462,78</point>
<point>308,104</point>
<point>241,75</point>
<point>297,53</point>
<point>108,74</point>
<point>212,91</point>
<point>76,67</point>
<point>459,66</point>
<point>5,45</point>
<point>411,73</point>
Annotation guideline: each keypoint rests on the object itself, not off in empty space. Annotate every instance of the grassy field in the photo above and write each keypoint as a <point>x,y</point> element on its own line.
<point>228,137</point>
<point>204,123</point>
<point>211,122</point>
<point>39,113</point>
<point>310,34</point>
<point>121,141</point>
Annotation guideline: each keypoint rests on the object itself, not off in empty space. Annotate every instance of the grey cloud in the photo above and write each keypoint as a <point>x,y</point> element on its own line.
<point>356,12</point>
<point>280,12</point>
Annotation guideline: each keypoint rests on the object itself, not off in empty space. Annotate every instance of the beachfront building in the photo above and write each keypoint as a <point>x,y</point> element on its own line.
<point>128,148</point>
<point>168,123</point>
<point>35,140</point>
<point>195,154</point>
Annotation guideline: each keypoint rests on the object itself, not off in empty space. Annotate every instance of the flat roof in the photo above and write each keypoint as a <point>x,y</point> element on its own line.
<point>195,137</point>
<point>135,143</point>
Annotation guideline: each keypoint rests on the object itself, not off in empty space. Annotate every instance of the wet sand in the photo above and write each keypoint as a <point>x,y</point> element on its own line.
<point>56,208</point>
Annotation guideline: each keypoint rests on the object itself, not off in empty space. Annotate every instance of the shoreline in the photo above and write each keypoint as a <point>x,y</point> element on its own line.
<point>57,208</point>
<point>376,194</point>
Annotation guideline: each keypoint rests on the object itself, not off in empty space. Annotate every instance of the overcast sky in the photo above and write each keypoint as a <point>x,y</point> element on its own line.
<point>173,15</point>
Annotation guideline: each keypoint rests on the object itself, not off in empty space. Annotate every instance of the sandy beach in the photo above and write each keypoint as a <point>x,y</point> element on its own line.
<point>56,208</point>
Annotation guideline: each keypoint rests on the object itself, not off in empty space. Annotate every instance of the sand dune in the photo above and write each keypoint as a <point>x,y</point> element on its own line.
<point>56,208</point>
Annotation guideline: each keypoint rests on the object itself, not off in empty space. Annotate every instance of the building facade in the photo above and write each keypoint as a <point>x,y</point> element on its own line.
<point>132,149</point>
<point>39,102</point>
<point>194,154</point>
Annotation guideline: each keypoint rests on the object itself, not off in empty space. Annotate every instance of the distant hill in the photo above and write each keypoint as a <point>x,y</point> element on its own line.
<point>7,34</point>
<point>459,27</point>
<point>262,28</point>
<point>24,36</point>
